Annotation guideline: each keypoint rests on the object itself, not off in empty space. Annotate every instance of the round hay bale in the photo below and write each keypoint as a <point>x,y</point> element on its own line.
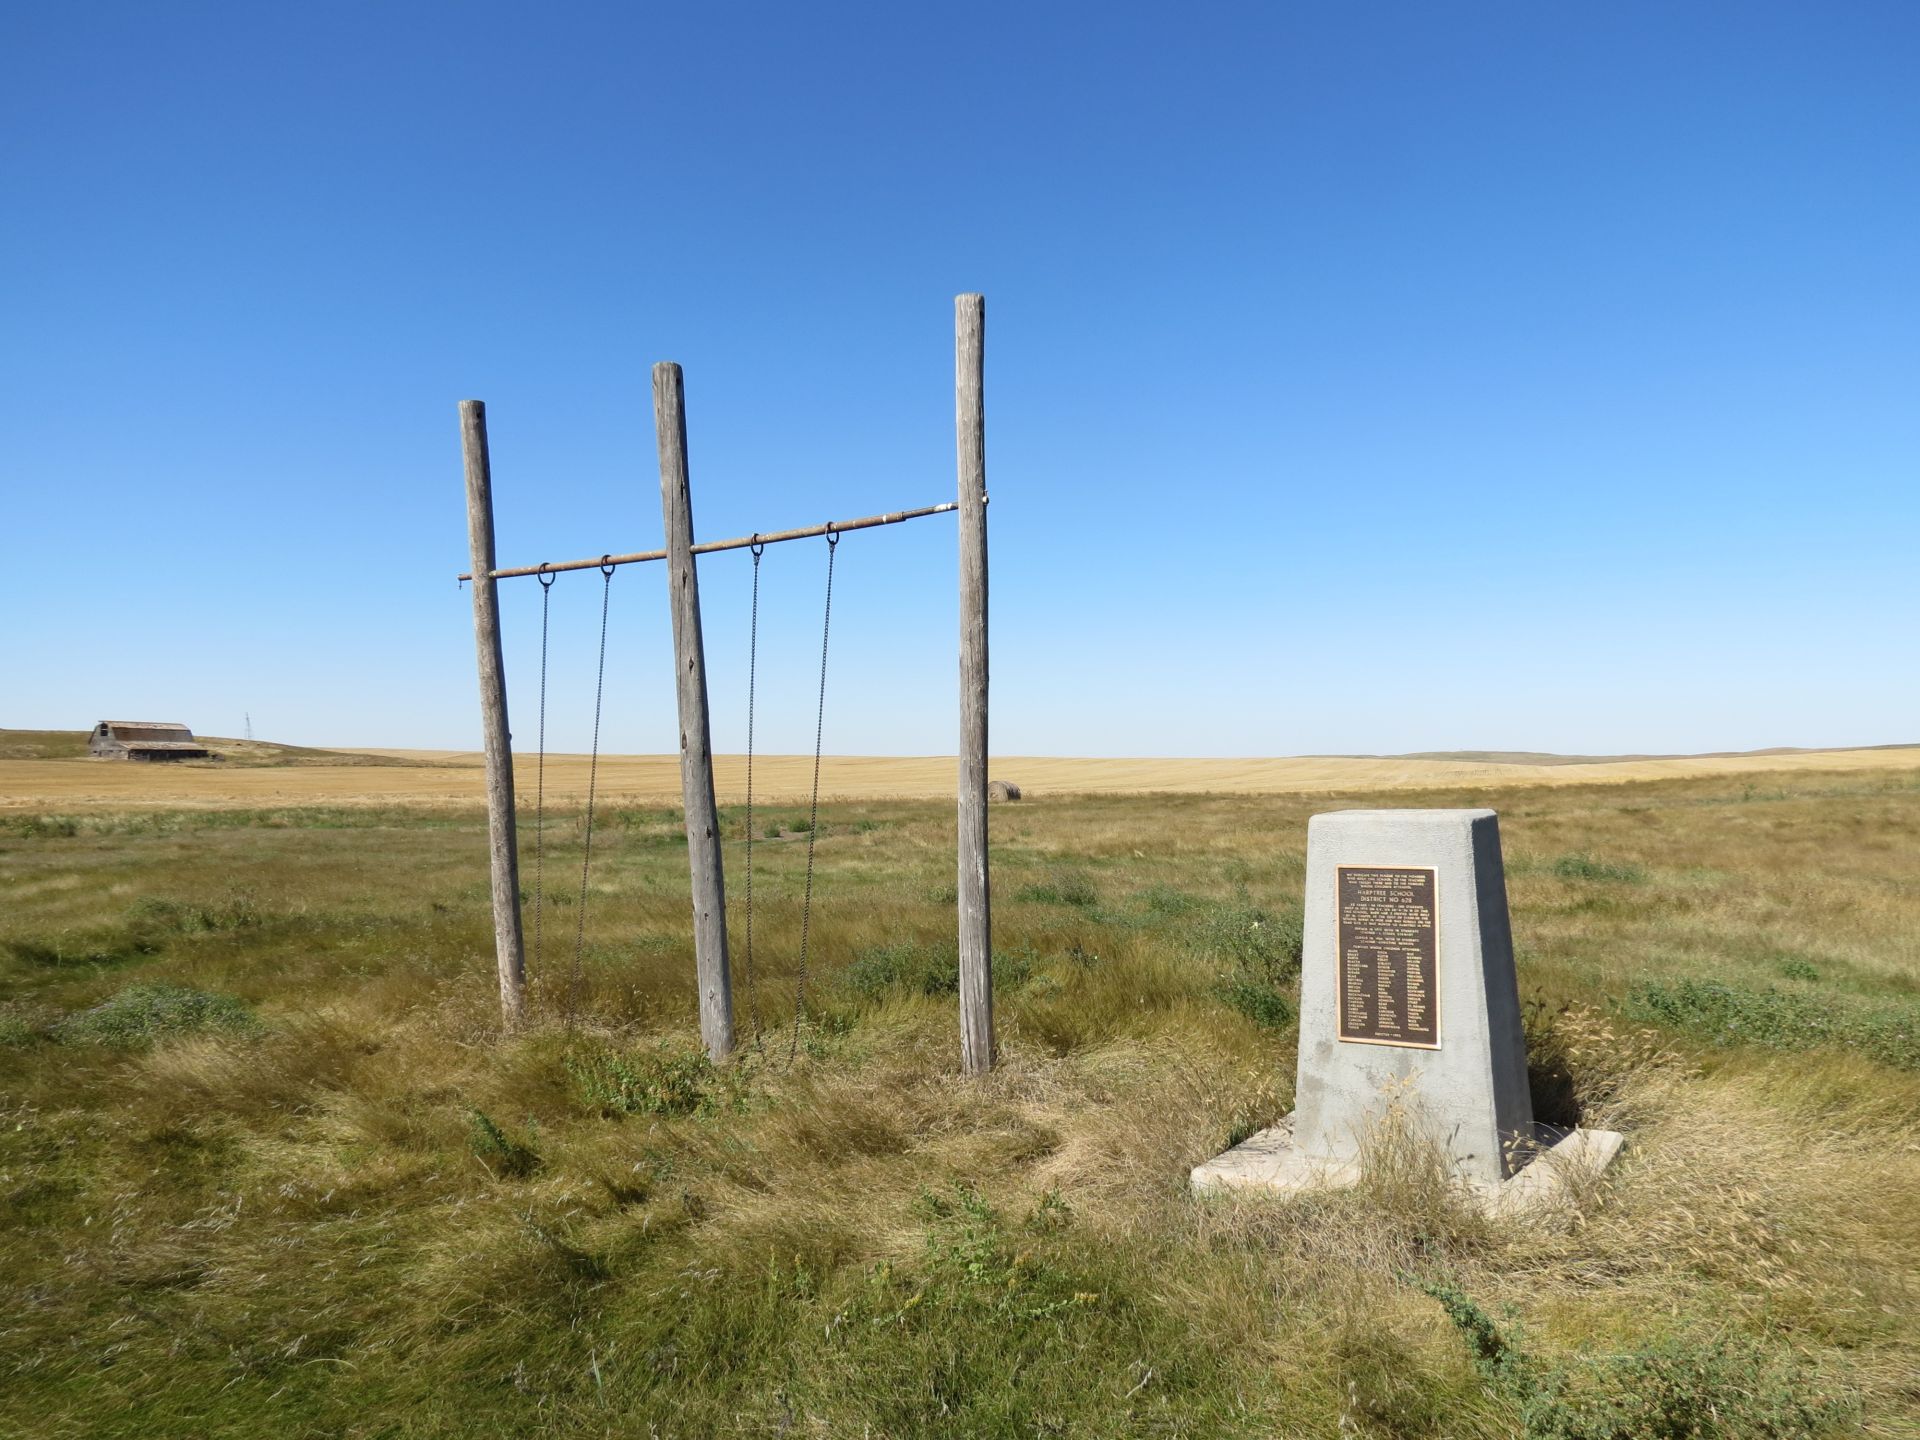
<point>1002,790</point>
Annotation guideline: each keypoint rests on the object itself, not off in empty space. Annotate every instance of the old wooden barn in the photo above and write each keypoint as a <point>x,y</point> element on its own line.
<point>144,740</point>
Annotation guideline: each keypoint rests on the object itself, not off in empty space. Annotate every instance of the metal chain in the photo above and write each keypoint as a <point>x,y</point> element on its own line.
<point>813,815</point>
<point>593,773</point>
<point>540,797</point>
<point>753,670</point>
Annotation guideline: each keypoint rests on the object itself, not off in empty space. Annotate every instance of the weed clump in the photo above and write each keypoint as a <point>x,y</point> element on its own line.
<point>912,966</point>
<point>1252,939</point>
<point>612,1083</point>
<point>141,1014</point>
<point>499,1151</point>
<point>1259,1002</point>
<point>1682,1387</point>
<point>15,1031</point>
<point>1259,958</point>
<point>1606,872</point>
<point>973,1264</point>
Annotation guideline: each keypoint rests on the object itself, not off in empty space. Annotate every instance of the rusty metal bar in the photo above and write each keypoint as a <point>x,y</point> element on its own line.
<point>638,557</point>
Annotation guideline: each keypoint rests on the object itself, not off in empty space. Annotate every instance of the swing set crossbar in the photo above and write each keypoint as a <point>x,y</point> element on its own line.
<point>744,542</point>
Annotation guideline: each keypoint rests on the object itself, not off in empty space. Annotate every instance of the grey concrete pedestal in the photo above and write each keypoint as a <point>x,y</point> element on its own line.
<point>1410,1016</point>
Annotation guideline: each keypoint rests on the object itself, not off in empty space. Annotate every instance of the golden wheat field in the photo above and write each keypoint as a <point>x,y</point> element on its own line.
<point>427,777</point>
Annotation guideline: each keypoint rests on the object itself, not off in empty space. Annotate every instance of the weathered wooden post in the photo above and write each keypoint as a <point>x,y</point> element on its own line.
<point>497,739</point>
<point>975,895</point>
<point>696,733</point>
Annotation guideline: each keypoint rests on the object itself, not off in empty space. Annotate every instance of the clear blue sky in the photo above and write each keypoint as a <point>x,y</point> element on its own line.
<point>1361,377</point>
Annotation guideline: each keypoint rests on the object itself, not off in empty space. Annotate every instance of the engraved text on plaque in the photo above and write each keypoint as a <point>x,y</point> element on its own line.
<point>1389,963</point>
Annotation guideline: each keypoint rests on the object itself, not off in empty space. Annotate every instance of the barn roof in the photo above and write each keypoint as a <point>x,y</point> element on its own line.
<point>154,730</point>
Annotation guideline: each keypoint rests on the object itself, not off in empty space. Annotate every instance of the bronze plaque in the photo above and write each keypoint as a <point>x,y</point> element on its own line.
<point>1389,962</point>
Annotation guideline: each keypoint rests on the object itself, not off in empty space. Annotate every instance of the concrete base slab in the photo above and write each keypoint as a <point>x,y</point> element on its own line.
<point>1576,1159</point>
<point>1271,1161</point>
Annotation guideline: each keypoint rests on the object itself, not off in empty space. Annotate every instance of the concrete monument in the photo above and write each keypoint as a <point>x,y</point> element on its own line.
<point>1409,1014</point>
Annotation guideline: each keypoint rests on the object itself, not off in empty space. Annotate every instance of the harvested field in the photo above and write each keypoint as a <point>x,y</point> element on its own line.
<point>450,777</point>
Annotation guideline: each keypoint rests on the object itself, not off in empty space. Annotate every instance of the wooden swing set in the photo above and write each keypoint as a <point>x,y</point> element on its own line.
<point>711,958</point>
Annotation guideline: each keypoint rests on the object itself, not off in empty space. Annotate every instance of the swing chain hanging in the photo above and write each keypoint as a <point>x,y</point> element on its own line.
<point>813,813</point>
<point>753,658</point>
<point>540,790</point>
<point>593,773</point>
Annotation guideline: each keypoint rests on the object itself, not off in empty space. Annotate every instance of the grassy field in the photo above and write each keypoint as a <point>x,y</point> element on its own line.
<point>268,1169</point>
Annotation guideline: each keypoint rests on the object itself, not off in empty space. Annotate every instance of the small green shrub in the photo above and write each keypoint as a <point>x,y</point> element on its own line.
<point>1680,1387</point>
<point>1607,872</point>
<point>612,1083</point>
<point>1724,1014</point>
<point>140,1014</point>
<point>1799,970</point>
<point>1496,1361</point>
<point>1258,1001</point>
<point>499,1151</point>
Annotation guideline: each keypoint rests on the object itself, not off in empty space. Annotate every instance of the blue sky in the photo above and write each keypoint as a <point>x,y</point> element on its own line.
<point>1361,378</point>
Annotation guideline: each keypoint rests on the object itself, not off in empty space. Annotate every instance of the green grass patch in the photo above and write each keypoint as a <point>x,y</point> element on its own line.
<point>236,910</point>
<point>1603,872</point>
<point>141,1014</point>
<point>1060,887</point>
<point>1006,1326</point>
<point>919,967</point>
<point>1166,900</point>
<point>99,948</point>
<point>1724,1014</point>
<point>1256,954</point>
<point>193,822</point>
